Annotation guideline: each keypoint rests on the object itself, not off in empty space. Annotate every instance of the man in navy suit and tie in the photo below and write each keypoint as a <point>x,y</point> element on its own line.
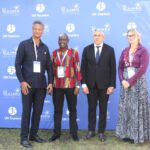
<point>32,61</point>
<point>98,70</point>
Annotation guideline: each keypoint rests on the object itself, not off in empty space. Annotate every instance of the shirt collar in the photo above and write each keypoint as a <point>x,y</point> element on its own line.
<point>100,45</point>
<point>41,43</point>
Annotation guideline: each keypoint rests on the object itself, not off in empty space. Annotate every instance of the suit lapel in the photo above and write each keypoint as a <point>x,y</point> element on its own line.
<point>92,53</point>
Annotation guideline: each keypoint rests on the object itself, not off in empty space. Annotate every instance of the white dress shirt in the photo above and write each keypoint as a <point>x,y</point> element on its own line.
<point>100,48</point>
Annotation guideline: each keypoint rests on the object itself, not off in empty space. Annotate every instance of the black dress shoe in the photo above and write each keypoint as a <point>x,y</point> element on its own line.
<point>54,137</point>
<point>102,137</point>
<point>26,143</point>
<point>36,139</point>
<point>75,137</point>
<point>128,140</point>
<point>90,135</point>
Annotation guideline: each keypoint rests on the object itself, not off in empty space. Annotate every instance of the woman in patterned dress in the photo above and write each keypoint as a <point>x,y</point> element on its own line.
<point>134,110</point>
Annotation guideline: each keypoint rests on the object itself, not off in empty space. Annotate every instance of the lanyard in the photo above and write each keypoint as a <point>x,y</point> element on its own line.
<point>35,50</point>
<point>61,61</point>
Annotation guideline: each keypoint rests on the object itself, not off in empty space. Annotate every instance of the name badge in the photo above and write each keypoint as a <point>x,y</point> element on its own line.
<point>130,71</point>
<point>36,67</point>
<point>60,72</point>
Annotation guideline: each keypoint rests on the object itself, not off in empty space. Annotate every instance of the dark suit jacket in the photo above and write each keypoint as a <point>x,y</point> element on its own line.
<point>24,64</point>
<point>102,74</point>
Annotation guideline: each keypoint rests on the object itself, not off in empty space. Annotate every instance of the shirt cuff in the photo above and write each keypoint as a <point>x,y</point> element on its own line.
<point>84,85</point>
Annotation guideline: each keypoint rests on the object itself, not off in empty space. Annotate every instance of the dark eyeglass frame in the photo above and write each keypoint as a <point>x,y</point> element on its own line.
<point>131,35</point>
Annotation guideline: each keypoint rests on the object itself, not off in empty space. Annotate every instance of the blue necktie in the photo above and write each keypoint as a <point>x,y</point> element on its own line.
<point>97,54</point>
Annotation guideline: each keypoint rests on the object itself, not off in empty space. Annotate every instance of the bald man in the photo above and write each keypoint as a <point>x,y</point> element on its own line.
<point>66,68</point>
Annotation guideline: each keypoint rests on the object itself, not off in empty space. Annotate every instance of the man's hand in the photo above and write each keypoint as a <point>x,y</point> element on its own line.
<point>85,90</point>
<point>50,89</point>
<point>76,91</point>
<point>110,90</point>
<point>125,84</point>
<point>24,87</point>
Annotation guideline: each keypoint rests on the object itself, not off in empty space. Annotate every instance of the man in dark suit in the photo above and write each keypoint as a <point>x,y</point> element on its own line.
<point>98,70</point>
<point>32,60</point>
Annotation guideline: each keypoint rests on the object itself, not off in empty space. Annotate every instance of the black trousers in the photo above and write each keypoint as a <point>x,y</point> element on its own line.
<point>97,95</point>
<point>58,101</point>
<point>33,102</point>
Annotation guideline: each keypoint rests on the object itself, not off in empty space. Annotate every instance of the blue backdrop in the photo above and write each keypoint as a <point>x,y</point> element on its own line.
<point>77,18</point>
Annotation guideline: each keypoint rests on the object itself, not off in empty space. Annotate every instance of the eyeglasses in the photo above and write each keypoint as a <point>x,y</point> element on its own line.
<point>130,35</point>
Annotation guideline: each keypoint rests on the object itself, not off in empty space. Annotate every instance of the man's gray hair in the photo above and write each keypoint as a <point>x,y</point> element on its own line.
<point>98,30</point>
<point>38,22</point>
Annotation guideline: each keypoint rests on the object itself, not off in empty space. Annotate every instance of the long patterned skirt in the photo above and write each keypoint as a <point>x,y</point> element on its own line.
<point>134,112</point>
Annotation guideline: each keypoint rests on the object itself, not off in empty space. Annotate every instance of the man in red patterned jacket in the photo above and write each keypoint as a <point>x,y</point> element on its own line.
<point>66,69</point>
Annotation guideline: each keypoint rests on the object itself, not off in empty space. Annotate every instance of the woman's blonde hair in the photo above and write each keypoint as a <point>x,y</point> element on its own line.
<point>136,32</point>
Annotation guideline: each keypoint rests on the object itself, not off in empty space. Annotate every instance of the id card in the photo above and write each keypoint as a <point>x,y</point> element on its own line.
<point>36,67</point>
<point>130,71</point>
<point>60,72</point>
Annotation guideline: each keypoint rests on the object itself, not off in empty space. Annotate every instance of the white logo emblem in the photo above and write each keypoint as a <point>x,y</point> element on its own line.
<point>70,27</point>
<point>11,70</point>
<point>76,6</point>
<point>17,8</point>
<point>12,111</point>
<point>17,90</point>
<point>108,115</point>
<point>67,112</point>
<point>46,28</point>
<point>11,28</point>
<point>40,8</point>
<point>131,25</point>
<point>100,6</point>
<point>138,6</point>
<point>47,112</point>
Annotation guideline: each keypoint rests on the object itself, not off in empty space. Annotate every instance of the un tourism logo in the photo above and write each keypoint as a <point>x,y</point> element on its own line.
<point>11,28</point>
<point>40,8</point>
<point>131,25</point>
<point>15,11</point>
<point>46,115</point>
<point>11,70</point>
<point>136,8</point>
<point>74,10</point>
<point>70,27</point>
<point>100,6</point>
<point>12,111</point>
